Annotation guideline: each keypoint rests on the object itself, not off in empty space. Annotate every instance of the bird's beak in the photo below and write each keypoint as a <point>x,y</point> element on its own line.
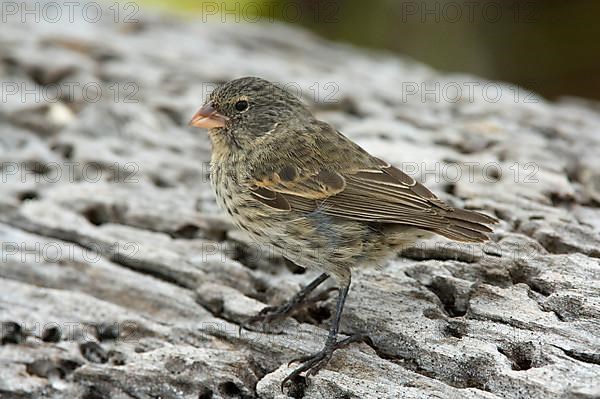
<point>208,117</point>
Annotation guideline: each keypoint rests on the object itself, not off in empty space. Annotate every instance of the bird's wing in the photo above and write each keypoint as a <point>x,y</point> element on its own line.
<point>360,187</point>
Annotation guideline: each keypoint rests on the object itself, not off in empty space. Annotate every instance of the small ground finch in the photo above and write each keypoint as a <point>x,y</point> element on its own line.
<point>296,183</point>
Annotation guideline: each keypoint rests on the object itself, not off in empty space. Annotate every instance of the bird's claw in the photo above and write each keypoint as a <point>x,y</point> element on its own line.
<point>269,314</point>
<point>312,364</point>
<point>266,316</point>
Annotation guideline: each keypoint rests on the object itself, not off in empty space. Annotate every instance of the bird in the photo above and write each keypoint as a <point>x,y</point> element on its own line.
<point>296,183</point>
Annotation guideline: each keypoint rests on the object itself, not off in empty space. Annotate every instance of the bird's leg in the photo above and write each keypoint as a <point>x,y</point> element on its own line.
<point>270,313</point>
<point>311,364</point>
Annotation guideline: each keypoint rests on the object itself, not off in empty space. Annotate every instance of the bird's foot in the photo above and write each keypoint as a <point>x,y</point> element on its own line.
<point>267,315</point>
<point>312,364</point>
<point>270,314</point>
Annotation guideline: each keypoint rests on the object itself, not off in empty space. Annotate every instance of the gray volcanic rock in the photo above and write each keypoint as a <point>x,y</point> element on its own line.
<point>120,278</point>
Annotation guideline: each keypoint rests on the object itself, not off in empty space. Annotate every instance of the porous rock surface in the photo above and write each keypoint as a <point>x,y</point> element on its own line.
<point>120,278</point>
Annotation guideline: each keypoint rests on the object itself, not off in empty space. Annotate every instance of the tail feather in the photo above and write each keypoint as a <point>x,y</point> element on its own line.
<point>469,225</point>
<point>466,226</point>
<point>471,216</point>
<point>457,233</point>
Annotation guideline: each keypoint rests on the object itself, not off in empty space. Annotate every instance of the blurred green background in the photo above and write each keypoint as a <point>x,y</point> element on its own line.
<point>549,46</point>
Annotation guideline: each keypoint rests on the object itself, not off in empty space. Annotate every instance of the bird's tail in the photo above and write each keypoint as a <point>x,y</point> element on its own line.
<point>466,226</point>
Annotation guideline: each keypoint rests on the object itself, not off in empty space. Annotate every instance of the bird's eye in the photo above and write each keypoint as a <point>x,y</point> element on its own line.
<point>241,105</point>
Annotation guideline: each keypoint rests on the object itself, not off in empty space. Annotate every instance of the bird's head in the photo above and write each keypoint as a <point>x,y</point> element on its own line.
<point>243,110</point>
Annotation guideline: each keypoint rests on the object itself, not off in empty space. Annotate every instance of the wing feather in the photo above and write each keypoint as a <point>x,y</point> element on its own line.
<point>363,188</point>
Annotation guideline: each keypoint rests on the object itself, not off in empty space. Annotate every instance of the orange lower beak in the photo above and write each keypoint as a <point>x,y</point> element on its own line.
<point>208,117</point>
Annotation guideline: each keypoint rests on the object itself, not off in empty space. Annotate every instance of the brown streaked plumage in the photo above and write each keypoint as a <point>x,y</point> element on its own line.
<point>296,183</point>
